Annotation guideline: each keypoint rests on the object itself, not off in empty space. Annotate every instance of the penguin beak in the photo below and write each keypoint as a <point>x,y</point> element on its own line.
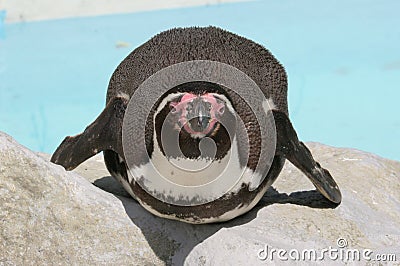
<point>200,117</point>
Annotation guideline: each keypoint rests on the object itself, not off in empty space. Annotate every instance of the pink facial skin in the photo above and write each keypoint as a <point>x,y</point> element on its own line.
<point>217,109</point>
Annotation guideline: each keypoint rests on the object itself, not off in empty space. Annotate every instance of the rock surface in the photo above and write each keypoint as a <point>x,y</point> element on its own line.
<point>50,216</point>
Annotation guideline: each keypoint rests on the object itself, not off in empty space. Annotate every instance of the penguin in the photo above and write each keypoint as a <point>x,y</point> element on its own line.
<point>202,126</point>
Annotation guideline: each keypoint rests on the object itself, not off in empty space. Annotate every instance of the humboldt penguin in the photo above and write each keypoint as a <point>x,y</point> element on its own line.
<point>197,129</point>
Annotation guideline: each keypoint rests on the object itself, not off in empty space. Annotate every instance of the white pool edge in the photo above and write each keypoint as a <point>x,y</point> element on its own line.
<point>29,10</point>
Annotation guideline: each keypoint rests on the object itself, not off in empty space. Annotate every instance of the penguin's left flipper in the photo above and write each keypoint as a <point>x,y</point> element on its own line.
<point>289,146</point>
<point>105,133</point>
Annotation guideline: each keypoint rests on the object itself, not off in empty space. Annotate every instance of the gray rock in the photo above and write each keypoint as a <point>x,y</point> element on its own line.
<point>50,216</point>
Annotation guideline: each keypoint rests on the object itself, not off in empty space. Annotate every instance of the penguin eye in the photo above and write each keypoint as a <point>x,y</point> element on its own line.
<point>221,110</point>
<point>173,108</point>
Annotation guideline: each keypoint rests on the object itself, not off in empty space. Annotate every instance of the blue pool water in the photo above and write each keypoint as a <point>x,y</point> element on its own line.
<point>342,59</point>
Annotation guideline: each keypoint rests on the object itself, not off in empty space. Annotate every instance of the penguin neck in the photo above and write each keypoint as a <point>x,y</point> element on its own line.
<point>192,171</point>
<point>175,144</point>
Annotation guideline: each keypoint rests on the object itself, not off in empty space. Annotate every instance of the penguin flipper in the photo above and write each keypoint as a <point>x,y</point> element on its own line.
<point>289,146</point>
<point>105,133</point>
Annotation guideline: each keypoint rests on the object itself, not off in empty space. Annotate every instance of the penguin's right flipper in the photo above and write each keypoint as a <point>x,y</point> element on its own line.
<point>105,133</point>
<point>289,146</point>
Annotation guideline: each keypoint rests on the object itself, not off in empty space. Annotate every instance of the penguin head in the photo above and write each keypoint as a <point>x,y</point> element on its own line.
<point>199,115</point>
<point>191,112</point>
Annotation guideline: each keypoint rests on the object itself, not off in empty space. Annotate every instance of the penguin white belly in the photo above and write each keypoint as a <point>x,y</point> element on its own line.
<point>228,215</point>
<point>197,172</point>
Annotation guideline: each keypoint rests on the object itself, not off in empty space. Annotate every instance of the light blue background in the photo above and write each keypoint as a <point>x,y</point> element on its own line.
<point>342,59</point>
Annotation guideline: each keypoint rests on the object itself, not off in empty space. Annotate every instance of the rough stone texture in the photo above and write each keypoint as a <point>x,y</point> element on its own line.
<point>49,216</point>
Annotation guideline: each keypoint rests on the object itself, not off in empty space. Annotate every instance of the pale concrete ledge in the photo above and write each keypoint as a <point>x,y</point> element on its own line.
<point>33,10</point>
